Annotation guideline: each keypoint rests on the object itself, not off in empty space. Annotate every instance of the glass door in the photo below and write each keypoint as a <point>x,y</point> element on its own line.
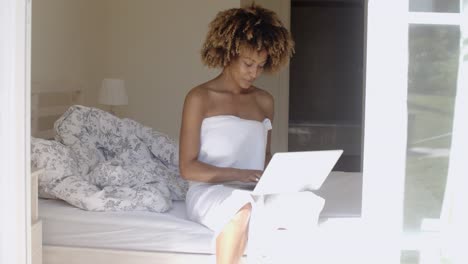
<point>416,77</point>
<point>435,60</point>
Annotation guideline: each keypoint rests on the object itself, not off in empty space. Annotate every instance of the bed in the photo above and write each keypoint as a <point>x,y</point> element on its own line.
<point>75,236</point>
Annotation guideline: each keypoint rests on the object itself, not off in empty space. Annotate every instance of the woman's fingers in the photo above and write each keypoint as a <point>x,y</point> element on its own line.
<point>252,175</point>
<point>257,175</point>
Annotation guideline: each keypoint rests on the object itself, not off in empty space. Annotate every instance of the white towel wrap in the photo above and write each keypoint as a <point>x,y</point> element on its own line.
<point>230,141</point>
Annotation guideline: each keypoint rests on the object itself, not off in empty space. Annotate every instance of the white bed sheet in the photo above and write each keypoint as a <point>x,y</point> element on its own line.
<point>64,225</point>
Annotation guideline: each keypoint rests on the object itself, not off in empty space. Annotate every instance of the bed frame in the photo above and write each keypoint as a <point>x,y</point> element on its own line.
<point>56,255</point>
<point>49,100</point>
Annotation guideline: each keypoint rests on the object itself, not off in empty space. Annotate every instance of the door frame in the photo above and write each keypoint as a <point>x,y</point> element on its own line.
<point>385,123</point>
<point>15,20</point>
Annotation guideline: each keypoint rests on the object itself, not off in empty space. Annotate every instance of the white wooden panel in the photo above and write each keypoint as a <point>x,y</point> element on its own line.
<point>34,195</point>
<point>36,242</point>
<point>73,94</point>
<point>51,111</point>
<point>60,255</point>
<point>36,257</point>
<point>55,86</point>
<point>454,214</point>
<point>34,118</point>
<point>14,126</point>
<point>14,89</point>
<point>385,128</point>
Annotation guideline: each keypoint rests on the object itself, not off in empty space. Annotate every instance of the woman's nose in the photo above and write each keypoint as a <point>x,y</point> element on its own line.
<point>253,72</point>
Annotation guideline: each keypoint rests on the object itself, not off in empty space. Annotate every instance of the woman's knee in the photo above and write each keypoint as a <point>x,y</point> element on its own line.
<point>242,216</point>
<point>246,208</point>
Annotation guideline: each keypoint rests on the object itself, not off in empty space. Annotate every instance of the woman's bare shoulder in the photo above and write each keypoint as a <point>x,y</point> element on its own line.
<point>196,100</point>
<point>265,101</point>
<point>263,95</point>
<point>198,93</point>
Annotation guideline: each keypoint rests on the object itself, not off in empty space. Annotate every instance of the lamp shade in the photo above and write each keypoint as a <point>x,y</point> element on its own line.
<point>113,92</point>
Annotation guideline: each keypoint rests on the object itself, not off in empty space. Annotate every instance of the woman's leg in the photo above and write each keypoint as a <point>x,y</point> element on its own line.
<point>231,242</point>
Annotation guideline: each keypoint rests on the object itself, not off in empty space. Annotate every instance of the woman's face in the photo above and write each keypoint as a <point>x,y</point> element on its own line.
<point>246,68</point>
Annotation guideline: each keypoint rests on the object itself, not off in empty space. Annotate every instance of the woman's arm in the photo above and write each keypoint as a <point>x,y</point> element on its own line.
<point>266,102</point>
<point>268,151</point>
<point>190,167</point>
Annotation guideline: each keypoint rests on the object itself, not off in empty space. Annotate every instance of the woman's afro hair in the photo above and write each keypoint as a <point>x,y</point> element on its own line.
<point>252,27</point>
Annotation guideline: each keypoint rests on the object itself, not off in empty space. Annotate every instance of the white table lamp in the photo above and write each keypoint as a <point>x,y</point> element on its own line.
<point>113,93</point>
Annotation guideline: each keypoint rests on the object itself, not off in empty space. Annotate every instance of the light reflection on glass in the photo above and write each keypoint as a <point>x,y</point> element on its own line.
<point>432,80</point>
<point>443,6</point>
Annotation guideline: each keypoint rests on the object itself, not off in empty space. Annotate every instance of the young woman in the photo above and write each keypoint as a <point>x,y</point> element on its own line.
<point>226,124</point>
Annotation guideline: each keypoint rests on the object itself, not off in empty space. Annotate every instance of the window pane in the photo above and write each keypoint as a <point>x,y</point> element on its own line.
<point>432,80</point>
<point>444,6</point>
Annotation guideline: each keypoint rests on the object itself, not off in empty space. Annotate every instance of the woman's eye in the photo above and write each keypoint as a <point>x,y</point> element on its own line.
<point>248,64</point>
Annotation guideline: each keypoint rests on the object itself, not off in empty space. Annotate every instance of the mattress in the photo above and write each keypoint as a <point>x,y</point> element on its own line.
<point>64,225</point>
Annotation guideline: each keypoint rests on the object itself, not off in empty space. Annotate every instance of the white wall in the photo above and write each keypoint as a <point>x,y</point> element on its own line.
<point>155,46</point>
<point>67,43</point>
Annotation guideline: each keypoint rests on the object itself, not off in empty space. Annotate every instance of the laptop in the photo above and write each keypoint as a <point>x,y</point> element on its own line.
<point>294,171</point>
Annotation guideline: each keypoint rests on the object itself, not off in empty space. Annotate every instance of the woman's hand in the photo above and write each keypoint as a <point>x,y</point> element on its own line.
<point>250,175</point>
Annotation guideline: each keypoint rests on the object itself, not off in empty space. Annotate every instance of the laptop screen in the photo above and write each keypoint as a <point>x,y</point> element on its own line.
<point>297,171</point>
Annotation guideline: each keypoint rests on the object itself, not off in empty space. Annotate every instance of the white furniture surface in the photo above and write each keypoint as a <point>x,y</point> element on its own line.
<point>138,237</point>
<point>49,100</point>
<point>36,223</point>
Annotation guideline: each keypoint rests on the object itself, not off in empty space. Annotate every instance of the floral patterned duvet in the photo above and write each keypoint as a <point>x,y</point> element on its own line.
<point>99,162</point>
